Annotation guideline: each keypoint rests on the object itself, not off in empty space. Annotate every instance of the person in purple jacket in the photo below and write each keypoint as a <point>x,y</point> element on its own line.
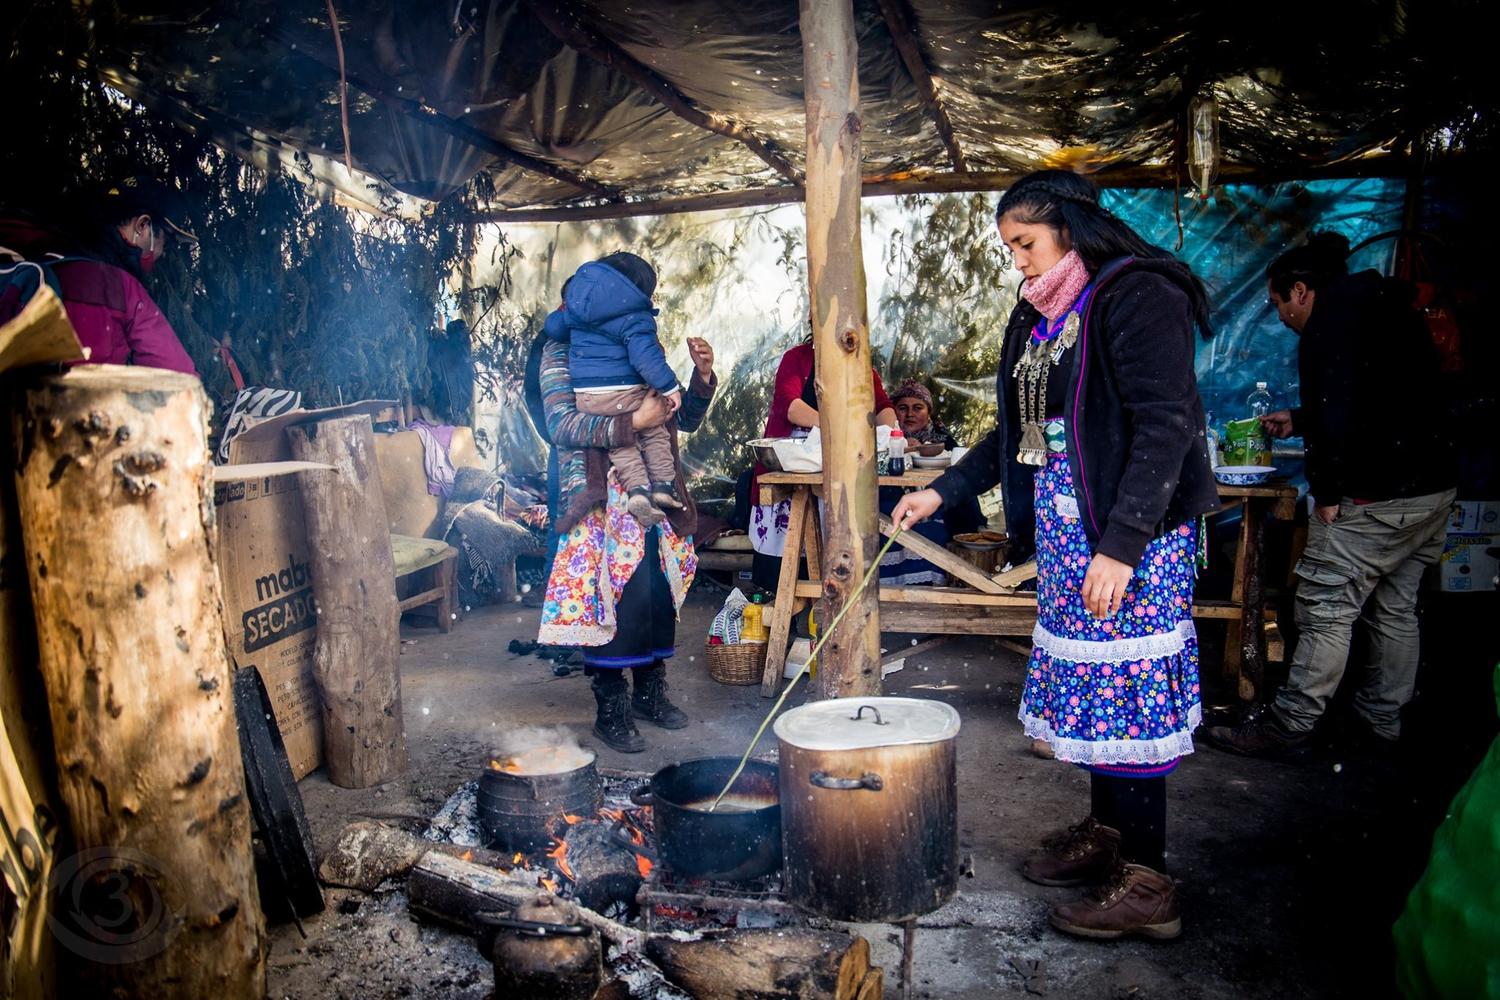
<point>615,361</point>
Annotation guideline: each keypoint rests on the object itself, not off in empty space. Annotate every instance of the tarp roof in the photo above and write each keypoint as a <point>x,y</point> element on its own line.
<point>561,103</point>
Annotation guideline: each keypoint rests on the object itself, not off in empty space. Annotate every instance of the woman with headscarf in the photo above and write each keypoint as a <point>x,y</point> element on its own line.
<point>916,416</point>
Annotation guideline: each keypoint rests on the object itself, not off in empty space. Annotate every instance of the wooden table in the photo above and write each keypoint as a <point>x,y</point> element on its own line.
<point>984,607</point>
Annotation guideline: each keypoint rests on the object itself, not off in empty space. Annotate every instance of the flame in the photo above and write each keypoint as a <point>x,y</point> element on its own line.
<point>546,883</point>
<point>517,859</point>
<point>643,865</point>
<point>570,819</point>
<point>466,856</point>
<point>560,855</point>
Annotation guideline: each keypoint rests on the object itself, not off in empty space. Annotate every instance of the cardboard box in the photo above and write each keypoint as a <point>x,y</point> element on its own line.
<point>270,617</point>
<point>1466,565</point>
<point>1475,517</point>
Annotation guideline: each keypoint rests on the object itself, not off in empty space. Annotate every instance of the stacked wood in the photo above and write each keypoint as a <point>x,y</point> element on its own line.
<point>354,580</point>
<point>790,964</point>
<point>116,499</point>
<point>849,663</point>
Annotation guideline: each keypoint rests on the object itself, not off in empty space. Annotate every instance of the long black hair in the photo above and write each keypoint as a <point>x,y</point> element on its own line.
<point>1321,259</point>
<point>1069,205</point>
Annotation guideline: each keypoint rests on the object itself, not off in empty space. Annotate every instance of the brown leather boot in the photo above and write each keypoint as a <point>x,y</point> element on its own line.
<point>1135,900</point>
<point>1085,855</point>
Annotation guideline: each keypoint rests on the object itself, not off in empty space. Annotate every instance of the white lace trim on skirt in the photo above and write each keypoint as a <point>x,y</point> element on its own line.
<point>1145,647</point>
<point>1158,751</point>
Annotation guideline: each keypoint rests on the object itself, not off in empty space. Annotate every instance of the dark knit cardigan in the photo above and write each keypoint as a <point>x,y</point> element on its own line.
<point>583,441</point>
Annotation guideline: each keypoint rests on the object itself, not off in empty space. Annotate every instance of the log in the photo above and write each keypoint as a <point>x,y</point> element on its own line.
<point>117,510</point>
<point>604,871</point>
<point>873,987</point>
<point>789,964</point>
<point>367,853</point>
<point>452,891</point>
<point>849,663</point>
<point>356,661</point>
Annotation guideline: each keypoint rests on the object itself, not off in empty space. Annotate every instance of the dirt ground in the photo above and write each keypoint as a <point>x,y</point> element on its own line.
<point>1290,873</point>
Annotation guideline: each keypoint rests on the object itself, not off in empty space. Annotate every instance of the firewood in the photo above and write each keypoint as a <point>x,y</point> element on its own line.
<point>452,891</point>
<point>354,581</point>
<point>367,853</point>
<point>789,964</point>
<point>604,871</point>
<point>116,501</point>
<point>873,987</point>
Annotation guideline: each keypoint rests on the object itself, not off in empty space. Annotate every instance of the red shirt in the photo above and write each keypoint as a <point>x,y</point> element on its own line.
<point>795,369</point>
<point>117,320</point>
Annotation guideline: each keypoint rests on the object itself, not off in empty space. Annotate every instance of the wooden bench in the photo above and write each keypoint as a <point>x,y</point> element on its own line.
<point>427,568</point>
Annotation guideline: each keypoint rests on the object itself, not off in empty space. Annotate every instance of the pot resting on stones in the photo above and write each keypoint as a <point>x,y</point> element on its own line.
<point>869,807</point>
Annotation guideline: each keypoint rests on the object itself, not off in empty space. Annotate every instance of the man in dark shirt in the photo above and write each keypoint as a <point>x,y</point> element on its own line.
<point>1381,477</point>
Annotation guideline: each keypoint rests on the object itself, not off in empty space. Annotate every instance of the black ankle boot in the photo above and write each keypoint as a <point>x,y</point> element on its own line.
<point>613,723</point>
<point>650,698</point>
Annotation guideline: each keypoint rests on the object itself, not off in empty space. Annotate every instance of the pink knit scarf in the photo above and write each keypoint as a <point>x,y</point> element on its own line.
<point>1054,291</point>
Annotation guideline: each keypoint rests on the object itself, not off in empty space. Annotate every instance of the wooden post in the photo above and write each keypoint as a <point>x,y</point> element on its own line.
<point>355,663</point>
<point>850,663</point>
<point>117,511</point>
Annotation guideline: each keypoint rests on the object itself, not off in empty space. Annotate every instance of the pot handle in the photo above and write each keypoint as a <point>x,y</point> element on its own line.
<point>870,780</point>
<point>642,796</point>
<point>860,714</point>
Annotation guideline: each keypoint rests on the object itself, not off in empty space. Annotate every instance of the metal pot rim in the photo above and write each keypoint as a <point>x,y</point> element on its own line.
<point>867,724</point>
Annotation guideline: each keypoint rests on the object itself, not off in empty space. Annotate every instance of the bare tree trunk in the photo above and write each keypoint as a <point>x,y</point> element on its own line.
<point>355,663</point>
<point>117,511</point>
<point>841,338</point>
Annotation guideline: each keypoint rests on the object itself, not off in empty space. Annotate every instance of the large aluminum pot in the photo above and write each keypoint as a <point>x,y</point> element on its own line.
<point>869,800</point>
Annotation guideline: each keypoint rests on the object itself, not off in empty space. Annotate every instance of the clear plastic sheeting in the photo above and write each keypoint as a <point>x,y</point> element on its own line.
<point>486,97</point>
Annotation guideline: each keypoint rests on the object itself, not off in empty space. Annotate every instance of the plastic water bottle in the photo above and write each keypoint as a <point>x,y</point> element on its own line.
<point>896,461</point>
<point>1260,405</point>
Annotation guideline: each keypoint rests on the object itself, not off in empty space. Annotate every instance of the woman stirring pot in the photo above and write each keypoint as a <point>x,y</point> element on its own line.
<point>1104,473</point>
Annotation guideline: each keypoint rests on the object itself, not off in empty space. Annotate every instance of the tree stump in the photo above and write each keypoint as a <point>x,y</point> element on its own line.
<point>355,662</point>
<point>117,511</point>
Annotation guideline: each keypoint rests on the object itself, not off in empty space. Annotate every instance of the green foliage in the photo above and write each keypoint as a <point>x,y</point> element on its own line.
<point>946,303</point>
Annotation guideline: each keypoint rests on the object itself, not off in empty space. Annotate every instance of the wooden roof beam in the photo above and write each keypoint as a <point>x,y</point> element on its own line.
<point>898,20</point>
<point>1147,176</point>
<point>461,130</point>
<point>572,32</point>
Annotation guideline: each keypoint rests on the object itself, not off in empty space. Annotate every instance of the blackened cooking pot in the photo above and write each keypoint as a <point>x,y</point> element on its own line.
<point>869,793</point>
<point>521,797</point>
<point>739,841</point>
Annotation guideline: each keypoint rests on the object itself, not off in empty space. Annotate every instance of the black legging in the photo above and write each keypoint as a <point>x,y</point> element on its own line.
<point>1137,807</point>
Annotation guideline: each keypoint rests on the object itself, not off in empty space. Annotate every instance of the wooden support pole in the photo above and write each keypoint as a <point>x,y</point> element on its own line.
<point>850,662</point>
<point>567,24</point>
<point>116,502</point>
<point>898,20</point>
<point>355,663</point>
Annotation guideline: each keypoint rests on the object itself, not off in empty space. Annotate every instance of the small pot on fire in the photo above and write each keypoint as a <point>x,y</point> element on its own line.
<point>522,795</point>
<point>542,951</point>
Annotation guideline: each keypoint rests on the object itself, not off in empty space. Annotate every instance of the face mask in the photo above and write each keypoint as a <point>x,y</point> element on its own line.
<point>149,256</point>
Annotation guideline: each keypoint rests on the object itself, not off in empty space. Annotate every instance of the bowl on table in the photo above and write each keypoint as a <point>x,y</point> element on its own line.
<point>930,450</point>
<point>765,452</point>
<point>938,461</point>
<point>1243,475</point>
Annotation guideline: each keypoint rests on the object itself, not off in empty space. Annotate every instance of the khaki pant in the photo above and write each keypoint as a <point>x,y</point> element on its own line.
<point>1366,565</point>
<point>649,460</point>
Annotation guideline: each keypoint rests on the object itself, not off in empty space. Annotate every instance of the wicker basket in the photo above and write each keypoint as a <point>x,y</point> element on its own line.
<point>740,663</point>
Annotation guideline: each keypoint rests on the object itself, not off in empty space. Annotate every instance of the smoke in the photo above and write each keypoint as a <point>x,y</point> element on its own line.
<point>539,750</point>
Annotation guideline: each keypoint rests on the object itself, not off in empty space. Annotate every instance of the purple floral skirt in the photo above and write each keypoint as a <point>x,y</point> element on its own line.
<point>1116,695</point>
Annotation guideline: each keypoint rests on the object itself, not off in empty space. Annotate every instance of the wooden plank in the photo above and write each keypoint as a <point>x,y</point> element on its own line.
<point>1013,578</point>
<point>905,652</point>
<point>786,594</point>
<point>40,333</point>
<point>898,20</point>
<point>940,557</point>
<point>899,616</point>
<point>1233,647</point>
<point>914,478</point>
<point>568,26</point>
<point>949,596</point>
<point>923,181</point>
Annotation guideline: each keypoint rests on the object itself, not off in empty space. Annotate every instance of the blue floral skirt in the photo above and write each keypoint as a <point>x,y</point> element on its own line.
<point>1117,695</point>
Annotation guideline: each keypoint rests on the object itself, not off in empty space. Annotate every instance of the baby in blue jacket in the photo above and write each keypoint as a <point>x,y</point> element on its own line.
<point>614,361</point>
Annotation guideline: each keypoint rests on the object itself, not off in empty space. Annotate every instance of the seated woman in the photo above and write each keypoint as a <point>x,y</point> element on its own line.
<point>913,402</point>
<point>794,411</point>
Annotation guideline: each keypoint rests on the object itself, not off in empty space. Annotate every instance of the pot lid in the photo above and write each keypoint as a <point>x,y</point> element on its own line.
<point>851,723</point>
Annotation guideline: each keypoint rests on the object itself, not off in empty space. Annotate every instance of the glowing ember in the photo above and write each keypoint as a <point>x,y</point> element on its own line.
<point>570,819</point>
<point>543,760</point>
<point>517,859</point>
<point>466,856</point>
<point>546,883</point>
<point>643,865</point>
